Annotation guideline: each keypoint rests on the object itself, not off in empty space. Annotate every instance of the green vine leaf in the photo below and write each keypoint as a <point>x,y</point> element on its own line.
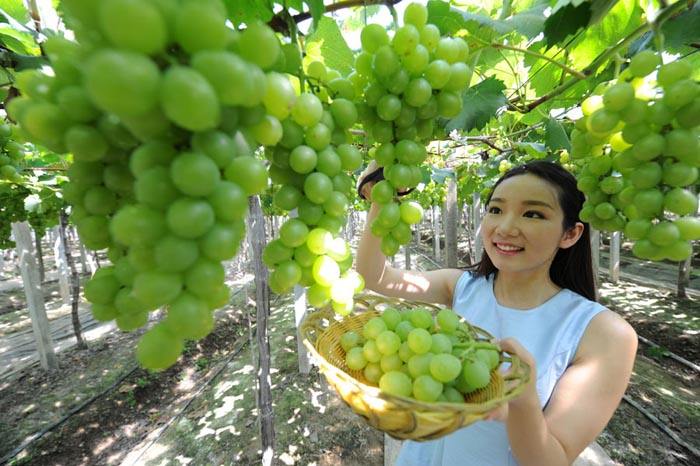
<point>18,41</point>
<point>555,136</point>
<point>534,117</point>
<point>297,5</point>
<point>566,19</point>
<point>245,11</point>
<point>617,24</point>
<point>327,45</point>
<point>569,16</point>
<point>316,9</point>
<point>529,23</point>
<point>451,20</point>
<point>481,102</point>
<point>356,20</point>
<point>439,175</point>
<point>683,30</point>
<point>15,9</point>
<point>543,76</point>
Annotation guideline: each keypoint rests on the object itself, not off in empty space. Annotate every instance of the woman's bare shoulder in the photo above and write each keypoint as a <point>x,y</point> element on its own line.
<point>607,331</point>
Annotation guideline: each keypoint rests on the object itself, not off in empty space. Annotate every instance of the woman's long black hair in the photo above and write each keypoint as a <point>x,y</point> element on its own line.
<point>572,267</point>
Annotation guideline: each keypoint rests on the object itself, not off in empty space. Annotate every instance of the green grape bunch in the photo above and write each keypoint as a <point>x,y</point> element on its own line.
<point>410,353</point>
<point>639,146</point>
<point>161,126</point>
<point>11,156</point>
<point>311,169</point>
<point>409,81</point>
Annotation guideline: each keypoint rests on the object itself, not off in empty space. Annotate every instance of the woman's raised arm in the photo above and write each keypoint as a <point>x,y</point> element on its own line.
<point>436,286</point>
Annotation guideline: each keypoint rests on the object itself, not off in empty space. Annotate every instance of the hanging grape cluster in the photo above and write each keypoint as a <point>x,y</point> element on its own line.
<point>410,80</point>
<point>11,155</point>
<point>312,165</point>
<point>411,353</point>
<point>162,107</point>
<point>160,104</point>
<point>640,143</point>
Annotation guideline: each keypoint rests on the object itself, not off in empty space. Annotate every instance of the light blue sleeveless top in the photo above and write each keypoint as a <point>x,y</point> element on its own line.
<point>551,332</point>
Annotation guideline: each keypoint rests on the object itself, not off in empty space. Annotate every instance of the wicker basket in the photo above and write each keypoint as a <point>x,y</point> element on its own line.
<point>400,417</point>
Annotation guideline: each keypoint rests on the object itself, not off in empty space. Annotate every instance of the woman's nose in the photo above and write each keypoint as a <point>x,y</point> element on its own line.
<point>508,226</point>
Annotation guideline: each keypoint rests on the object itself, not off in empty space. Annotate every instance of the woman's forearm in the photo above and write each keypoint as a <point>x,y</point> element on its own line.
<point>371,263</point>
<point>530,439</point>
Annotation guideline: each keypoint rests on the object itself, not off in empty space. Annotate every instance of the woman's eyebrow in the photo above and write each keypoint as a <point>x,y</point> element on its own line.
<point>526,202</point>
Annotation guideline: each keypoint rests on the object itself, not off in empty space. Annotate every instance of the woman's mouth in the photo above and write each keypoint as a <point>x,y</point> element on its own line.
<point>507,249</point>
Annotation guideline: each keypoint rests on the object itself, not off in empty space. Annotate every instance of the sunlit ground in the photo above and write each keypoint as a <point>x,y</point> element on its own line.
<point>644,303</point>
<point>221,425</point>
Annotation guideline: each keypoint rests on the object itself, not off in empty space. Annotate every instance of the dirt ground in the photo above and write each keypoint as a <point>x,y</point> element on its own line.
<point>148,417</point>
<point>203,411</point>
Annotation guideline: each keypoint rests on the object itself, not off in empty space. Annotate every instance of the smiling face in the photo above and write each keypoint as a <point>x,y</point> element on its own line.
<point>523,226</point>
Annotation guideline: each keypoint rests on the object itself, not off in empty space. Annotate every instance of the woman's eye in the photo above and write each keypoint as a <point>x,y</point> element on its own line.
<point>493,210</point>
<point>533,214</point>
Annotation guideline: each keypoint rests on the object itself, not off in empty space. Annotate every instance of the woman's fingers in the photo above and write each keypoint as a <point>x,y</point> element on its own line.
<point>498,414</point>
<point>514,347</point>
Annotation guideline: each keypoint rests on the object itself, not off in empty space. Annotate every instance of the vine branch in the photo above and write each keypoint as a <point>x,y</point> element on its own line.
<point>603,57</point>
<point>483,140</point>
<point>279,24</point>
<point>563,66</point>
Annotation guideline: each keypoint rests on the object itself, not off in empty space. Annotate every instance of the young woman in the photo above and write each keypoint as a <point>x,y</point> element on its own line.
<point>534,291</point>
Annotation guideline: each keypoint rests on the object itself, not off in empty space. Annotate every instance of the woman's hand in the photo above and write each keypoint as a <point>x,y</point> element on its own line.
<point>529,394</point>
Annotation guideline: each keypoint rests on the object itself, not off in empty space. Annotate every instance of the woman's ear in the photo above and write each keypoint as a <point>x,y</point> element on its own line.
<point>571,236</point>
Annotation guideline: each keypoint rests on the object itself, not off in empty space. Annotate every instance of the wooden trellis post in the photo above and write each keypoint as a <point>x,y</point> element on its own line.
<point>595,257</point>
<point>450,224</point>
<point>256,223</point>
<point>436,232</point>
<point>684,268</point>
<point>74,279</point>
<point>35,297</point>
<point>86,260</point>
<point>83,258</point>
<point>615,257</point>
<point>59,254</point>
<point>683,276</point>
<point>407,256</point>
<point>476,226</point>
<point>39,257</point>
<point>299,313</point>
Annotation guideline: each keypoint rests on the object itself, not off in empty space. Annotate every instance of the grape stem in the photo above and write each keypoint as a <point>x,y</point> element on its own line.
<point>34,13</point>
<point>475,345</point>
<point>483,140</point>
<point>279,24</point>
<point>564,67</point>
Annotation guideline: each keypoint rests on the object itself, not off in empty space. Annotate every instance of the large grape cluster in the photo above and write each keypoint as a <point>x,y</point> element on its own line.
<point>410,80</point>
<point>639,140</point>
<point>160,104</point>
<point>11,155</point>
<point>411,353</point>
<point>311,166</point>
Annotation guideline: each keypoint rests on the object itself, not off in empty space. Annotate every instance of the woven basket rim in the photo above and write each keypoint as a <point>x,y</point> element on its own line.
<point>309,327</point>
